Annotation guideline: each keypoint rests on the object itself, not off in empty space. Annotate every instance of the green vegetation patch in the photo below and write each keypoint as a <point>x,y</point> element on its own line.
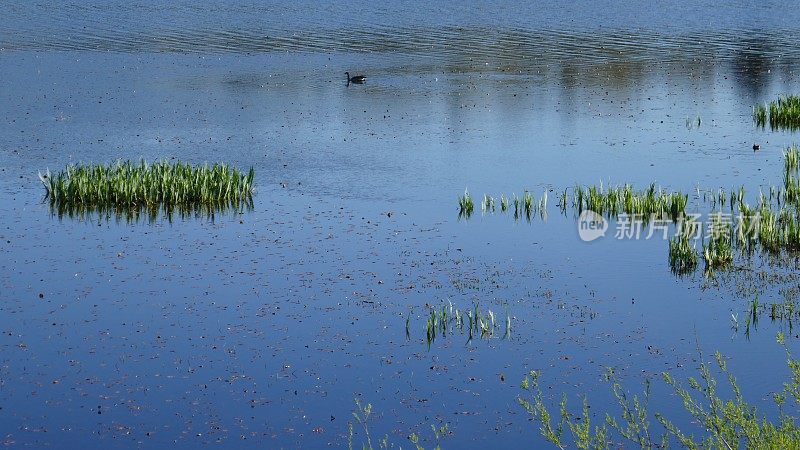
<point>132,187</point>
<point>781,114</point>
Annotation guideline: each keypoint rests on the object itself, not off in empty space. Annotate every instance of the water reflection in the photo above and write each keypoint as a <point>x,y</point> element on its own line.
<point>168,212</point>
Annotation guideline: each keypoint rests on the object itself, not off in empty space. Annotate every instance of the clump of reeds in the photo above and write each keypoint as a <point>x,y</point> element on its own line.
<point>783,113</point>
<point>613,201</point>
<point>718,252</point>
<point>527,205</point>
<point>760,115</point>
<point>562,202</point>
<point>791,158</point>
<point>682,254</point>
<point>473,322</point>
<point>465,205</point>
<point>488,204</point>
<point>131,187</point>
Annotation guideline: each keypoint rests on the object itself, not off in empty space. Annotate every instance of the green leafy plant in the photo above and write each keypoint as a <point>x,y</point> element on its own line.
<point>725,423</point>
<point>362,416</point>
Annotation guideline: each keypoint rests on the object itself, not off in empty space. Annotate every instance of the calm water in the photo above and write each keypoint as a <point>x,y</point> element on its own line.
<point>258,330</point>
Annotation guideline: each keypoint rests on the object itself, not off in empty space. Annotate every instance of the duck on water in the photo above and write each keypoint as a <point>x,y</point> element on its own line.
<point>357,79</point>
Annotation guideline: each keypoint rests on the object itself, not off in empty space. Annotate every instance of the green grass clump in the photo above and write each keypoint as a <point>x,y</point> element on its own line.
<point>783,113</point>
<point>448,319</point>
<point>760,115</point>
<point>488,203</point>
<point>129,186</point>
<point>465,205</point>
<point>614,201</point>
<point>791,158</point>
<point>718,252</point>
<point>682,254</point>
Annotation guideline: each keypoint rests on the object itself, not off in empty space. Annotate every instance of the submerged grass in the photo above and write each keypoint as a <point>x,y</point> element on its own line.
<point>133,187</point>
<point>783,113</point>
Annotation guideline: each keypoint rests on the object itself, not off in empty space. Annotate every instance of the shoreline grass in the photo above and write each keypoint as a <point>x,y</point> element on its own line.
<point>128,188</point>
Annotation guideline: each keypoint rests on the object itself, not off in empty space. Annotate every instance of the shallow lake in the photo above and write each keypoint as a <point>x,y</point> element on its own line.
<point>259,328</point>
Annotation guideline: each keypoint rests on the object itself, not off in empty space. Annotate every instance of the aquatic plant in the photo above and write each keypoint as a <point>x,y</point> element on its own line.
<point>362,416</point>
<point>562,201</point>
<point>725,423</point>
<point>791,158</point>
<point>527,201</point>
<point>465,205</point>
<point>133,187</point>
<point>783,113</point>
<point>447,318</point>
<point>488,204</point>
<point>718,252</point>
<point>503,203</point>
<point>682,254</point>
<point>614,201</point>
<point>766,227</point>
<point>747,228</point>
<point>760,115</point>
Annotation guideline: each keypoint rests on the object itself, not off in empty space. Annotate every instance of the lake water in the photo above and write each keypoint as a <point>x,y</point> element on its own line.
<point>259,329</point>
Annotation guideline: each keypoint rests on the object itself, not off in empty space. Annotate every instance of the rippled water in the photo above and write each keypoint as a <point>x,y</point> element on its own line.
<point>258,329</point>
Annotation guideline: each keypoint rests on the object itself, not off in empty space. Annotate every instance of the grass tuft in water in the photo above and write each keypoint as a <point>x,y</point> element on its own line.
<point>682,254</point>
<point>791,158</point>
<point>781,114</point>
<point>718,252</point>
<point>503,203</point>
<point>465,205</point>
<point>449,319</point>
<point>614,201</point>
<point>488,204</point>
<point>133,187</point>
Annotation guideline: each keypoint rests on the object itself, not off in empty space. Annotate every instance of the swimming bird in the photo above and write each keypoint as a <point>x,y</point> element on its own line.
<point>357,79</point>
